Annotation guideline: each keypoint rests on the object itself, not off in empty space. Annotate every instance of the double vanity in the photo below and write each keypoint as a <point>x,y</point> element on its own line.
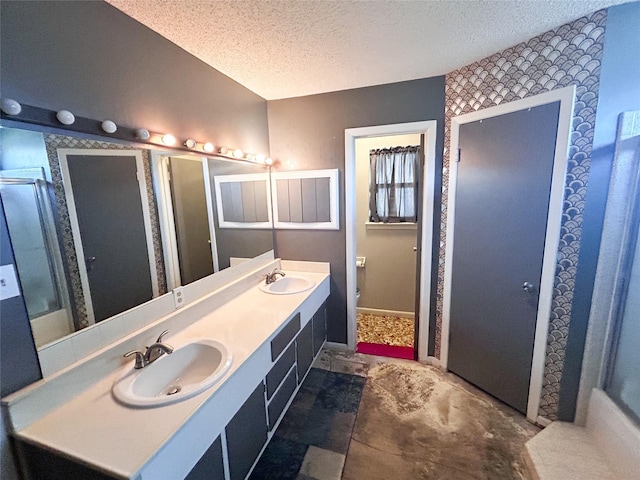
<point>206,410</point>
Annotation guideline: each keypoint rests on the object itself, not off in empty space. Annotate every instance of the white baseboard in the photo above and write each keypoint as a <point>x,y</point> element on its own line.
<point>433,362</point>
<point>543,421</point>
<point>343,347</point>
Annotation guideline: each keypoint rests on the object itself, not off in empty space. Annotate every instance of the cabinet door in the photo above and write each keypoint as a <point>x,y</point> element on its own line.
<point>319,329</point>
<point>247,434</point>
<point>41,464</point>
<point>304,350</point>
<point>210,466</point>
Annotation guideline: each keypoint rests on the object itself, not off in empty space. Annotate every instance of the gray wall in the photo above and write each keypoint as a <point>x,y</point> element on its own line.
<point>307,133</point>
<point>619,92</point>
<point>90,58</point>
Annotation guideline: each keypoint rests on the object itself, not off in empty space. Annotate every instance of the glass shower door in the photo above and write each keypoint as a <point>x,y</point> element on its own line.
<point>38,259</point>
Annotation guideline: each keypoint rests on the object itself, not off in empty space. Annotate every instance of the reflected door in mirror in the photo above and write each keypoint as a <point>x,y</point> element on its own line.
<point>111,226</point>
<point>191,217</point>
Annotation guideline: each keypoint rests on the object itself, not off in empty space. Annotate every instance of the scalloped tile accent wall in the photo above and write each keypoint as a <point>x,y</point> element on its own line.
<point>568,55</point>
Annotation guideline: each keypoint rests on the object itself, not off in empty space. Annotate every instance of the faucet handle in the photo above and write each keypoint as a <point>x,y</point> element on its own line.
<point>161,335</point>
<point>140,360</point>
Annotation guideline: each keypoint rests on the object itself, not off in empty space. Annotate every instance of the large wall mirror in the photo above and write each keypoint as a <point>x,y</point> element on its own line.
<point>100,227</point>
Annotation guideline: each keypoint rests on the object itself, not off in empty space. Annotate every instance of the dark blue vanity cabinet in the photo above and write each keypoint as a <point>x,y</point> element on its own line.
<point>284,337</point>
<point>292,349</point>
<point>211,465</point>
<point>281,398</point>
<point>319,326</point>
<point>247,434</point>
<point>42,464</point>
<point>304,350</point>
<point>280,370</point>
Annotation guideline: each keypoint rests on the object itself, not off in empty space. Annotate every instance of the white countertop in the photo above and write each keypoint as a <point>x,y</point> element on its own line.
<point>95,429</point>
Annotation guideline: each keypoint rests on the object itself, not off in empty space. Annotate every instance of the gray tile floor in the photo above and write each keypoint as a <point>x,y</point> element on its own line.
<point>417,422</point>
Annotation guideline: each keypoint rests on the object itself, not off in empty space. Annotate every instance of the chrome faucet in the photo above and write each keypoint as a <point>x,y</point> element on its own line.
<point>271,277</point>
<point>152,353</point>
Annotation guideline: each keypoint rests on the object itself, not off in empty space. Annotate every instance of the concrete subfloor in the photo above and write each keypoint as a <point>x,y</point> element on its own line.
<point>415,422</point>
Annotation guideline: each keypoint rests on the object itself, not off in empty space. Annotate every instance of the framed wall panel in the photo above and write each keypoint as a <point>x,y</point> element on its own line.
<point>305,200</point>
<point>242,201</point>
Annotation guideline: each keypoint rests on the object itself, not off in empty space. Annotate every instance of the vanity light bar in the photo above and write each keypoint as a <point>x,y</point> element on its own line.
<point>12,110</point>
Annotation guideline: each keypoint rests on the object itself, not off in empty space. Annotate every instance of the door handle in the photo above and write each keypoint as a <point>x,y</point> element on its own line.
<point>528,287</point>
<point>89,262</point>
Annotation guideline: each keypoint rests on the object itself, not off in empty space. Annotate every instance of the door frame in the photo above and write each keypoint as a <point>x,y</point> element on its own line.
<point>428,129</point>
<point>75,225</point>
<point>566,97</point>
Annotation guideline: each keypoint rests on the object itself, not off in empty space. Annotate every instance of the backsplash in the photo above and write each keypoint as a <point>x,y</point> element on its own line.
<point>568,55</point>
<point>53,143</point>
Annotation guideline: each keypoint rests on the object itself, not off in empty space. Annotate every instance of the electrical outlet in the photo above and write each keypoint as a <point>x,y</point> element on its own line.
<point>178,297</point>
<point>8,282</point>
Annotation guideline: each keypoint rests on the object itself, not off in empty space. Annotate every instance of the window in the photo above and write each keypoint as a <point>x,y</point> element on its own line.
<point>393,186</point>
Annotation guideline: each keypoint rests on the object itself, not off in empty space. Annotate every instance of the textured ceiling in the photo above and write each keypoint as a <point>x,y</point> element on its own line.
<point>290,48</point>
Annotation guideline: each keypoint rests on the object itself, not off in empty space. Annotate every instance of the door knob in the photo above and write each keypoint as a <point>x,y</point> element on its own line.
<point>528,287</point>
<point>89,262</point>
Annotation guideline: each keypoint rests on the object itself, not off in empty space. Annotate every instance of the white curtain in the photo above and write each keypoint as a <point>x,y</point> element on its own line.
<point>393,193</point>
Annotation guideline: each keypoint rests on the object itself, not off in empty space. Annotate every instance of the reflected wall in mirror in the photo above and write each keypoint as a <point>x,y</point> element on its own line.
<point>194,243</point>
<point>234,243</point>
<point>89,232</point>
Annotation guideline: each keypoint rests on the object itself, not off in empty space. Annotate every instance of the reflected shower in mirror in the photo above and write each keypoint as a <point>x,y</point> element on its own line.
<point>88,223</point>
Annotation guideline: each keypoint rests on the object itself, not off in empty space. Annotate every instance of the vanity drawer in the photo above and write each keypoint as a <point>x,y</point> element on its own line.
<point>280,369</point>
<point>280,399</point>
<point>282,339</point>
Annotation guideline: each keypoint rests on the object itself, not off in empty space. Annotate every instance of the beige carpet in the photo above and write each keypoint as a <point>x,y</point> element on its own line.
<point>387,330</point>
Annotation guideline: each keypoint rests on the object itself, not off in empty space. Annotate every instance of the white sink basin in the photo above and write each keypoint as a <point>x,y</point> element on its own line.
<point>287,285</point>
<point>189,370</point>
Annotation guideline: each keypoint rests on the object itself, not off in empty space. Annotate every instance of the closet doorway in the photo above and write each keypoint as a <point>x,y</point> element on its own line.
<point>387,179</point>
<point>396,268</point>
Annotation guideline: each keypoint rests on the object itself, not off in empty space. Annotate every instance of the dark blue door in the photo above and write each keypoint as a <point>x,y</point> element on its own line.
<point>109,210</point>
<point>502,203</point>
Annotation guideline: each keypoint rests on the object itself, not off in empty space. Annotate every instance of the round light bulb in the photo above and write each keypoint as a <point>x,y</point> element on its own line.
<point>10,106</point>
<point>268,161</point>
<point>143,134</point>
<point>65,117</point>
<point>237,153</point>
<point>109,127</point>
<point>260,158</point>
<point>190,143</point>
<point>223,150</point>
<point>208,147</point>
<point>168,139</point>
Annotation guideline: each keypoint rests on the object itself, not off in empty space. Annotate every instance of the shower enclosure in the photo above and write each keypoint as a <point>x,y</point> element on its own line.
<point>30,219</point>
